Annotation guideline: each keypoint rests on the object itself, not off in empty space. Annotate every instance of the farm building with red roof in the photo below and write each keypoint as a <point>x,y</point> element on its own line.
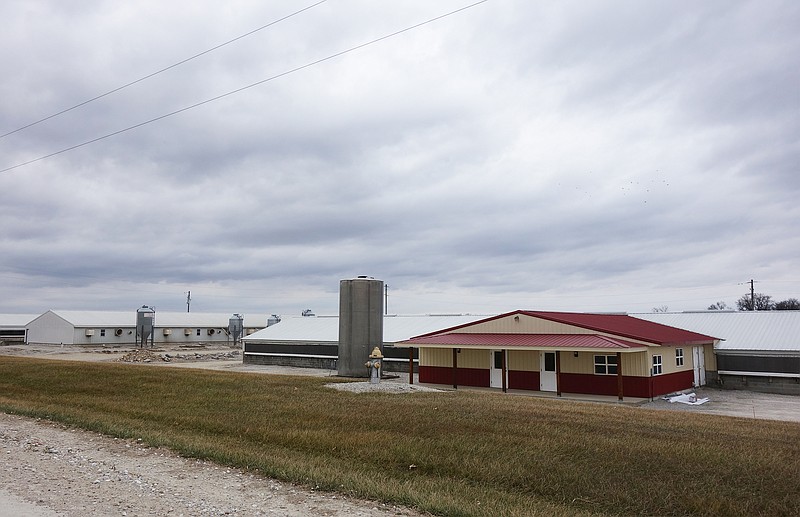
<point>563,352</point>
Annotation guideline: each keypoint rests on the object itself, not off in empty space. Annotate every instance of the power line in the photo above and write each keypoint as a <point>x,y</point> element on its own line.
<point>159,71</point>
<point>238,90</point>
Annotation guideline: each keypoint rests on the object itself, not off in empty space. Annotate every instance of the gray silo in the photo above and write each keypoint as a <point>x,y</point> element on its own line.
<point>235,328</point>
<point>145,323</point>
<point>360,324</point>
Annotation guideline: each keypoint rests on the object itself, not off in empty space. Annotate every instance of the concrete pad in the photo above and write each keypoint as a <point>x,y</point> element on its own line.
<point>738,403</point>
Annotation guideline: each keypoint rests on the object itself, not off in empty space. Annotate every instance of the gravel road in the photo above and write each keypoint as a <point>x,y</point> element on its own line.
<point>50,470</point>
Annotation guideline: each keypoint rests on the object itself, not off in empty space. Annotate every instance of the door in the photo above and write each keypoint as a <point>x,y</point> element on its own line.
<point>699,365</point>
<point>496,376</point>
<point>547,372</point>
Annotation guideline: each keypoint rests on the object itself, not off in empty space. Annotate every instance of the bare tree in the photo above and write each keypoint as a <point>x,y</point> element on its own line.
<point>663,308</point>
<point>719,306</point>
<point>763,302</point>
<point>792,304</point>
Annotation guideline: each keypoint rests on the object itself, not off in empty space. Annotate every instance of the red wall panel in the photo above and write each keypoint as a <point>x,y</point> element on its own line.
<point>478,377</point>
<point>631,386</point>
<point>518,380</point>
<point>643,387</point>
<point>585,383</point>
<point>435,374</point>
<point>663,384</point>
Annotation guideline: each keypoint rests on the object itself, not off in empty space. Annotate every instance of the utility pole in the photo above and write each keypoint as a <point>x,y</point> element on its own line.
<point>188,300</point>
<point>386,298</point>
<point>752,294</point>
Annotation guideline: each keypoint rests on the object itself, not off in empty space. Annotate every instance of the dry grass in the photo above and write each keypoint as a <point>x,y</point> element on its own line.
<point>472,453</point>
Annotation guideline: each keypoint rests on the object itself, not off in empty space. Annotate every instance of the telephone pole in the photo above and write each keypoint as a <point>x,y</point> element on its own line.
<point>188,300</point>
<point>752,294</point>
<point>386,298</point>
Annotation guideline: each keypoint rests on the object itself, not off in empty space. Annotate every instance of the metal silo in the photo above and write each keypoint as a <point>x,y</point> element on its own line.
<point>236,327</point>
<point>145,323</point>
<point>360,324</point>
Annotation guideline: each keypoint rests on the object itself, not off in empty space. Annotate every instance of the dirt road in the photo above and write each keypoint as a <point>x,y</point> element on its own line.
<point>50,470</point>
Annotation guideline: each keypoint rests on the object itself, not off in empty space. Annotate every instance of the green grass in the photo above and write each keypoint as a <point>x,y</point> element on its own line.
<point>475,453</point>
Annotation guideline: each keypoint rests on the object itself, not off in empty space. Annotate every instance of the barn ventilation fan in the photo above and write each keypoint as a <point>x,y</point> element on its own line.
<point>118,332</point>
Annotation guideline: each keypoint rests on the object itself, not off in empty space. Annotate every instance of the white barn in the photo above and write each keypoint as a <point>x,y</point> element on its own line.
<point>760,350</point>
<point>12,327</point>
<point>119,327</point>
<point>313,341</point>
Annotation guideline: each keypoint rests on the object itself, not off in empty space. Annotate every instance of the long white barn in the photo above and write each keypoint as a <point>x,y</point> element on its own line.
<point>760,350</point>
<point>314,341</point>
<point>119,327</point>
<point>12,326</point>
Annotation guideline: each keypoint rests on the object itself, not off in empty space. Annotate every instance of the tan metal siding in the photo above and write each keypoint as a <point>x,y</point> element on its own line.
<point>474,359</point>
<point>668,364</point>
<point>633,364</point>
<point>688,359</point>
<point>523,361</point>
<point>531,325</point>
<point>636,364</point>
<point>435,357</point>
<point>444,357</point>
<point>711,358</point>
<point>525,325</point>
<point>584,363</point>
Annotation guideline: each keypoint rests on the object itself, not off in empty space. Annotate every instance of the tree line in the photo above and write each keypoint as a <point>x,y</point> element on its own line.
<point>758,302</point>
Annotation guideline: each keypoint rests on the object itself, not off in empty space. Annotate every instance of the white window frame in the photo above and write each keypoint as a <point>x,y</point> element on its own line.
<point>102,332</point>
<point>608,363</point>
<point>658,365</point>
<point>679,357</point>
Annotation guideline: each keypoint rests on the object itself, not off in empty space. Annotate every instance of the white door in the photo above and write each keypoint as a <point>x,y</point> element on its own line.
<point>496,368</point>
<point>699,365</point>
<point>547,371</point>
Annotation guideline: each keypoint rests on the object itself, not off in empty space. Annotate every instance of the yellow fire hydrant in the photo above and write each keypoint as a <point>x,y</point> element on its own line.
<point>374,365</point>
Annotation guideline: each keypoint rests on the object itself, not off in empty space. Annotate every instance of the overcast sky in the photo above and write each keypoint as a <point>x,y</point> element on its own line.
<point>571,155</point>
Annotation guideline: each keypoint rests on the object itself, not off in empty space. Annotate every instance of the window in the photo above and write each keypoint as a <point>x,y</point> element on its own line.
<point>549,361</point>
<point>102,332</point>
<point>605,364</point>
<point>679,357</point>
<point>657,365</point>
<point>198,332</point>
<point>498,360</point>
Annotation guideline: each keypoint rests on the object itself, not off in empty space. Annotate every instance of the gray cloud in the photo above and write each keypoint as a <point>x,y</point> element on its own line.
<point>605,157</point>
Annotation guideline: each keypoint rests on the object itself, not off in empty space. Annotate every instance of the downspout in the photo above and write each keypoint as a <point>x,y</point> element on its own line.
<point>558,373</point>
<point>504,370</point>
<point>455,368</point>
<point>411,365</point>
<point>619,376</point>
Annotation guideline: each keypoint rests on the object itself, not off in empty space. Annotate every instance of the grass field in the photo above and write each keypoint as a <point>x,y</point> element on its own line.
<point>449,453</point>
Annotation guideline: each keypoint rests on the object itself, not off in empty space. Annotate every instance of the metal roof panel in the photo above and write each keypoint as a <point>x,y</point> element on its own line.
<point>324,329</point>
<point>572,341</point>
<point>740,330</point>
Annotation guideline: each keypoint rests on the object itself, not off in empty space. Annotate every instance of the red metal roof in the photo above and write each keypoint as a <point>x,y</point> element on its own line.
<point>625,326</point>
<point>620,325</point>
<point>590,341</point>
